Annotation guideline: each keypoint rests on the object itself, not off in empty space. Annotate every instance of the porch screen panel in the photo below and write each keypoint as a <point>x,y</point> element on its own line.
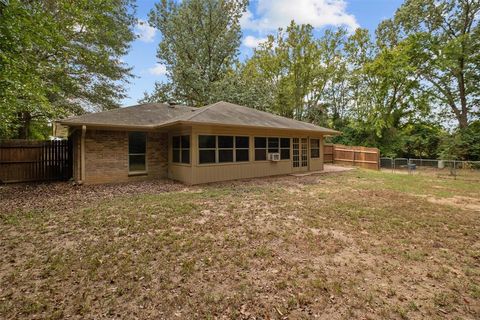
<point>207,146</point>
<point>225,148</point>
<point>284,148</point>
<point>304,157</point>
<point>242,147</point>
<point>315,148</point>
<point>260,148</point>
<point>181,149</point>
<point>296,152</point>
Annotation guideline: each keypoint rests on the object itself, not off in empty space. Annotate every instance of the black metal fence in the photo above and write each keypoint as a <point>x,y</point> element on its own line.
<point>445,168</point>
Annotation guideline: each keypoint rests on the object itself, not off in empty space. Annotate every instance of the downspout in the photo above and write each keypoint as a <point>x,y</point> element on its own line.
<point>82,154</point>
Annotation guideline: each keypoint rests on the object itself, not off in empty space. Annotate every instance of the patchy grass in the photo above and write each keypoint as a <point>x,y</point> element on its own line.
<point>361,244</point>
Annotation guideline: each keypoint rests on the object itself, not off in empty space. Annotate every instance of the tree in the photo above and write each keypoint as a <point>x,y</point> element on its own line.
<point>302,72</point>
<point>446,37</point>
<point>421,140</point>
<point>60,58</point>
<point>463,144</point>
<point>391,92</point>
<point>200,41</point>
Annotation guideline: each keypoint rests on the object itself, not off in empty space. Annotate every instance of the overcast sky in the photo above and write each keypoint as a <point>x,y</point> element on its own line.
<point>263,17</point>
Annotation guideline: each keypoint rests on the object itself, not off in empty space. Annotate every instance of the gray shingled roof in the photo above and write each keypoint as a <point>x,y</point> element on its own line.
<point>221,113</point>
<point>149,114</point>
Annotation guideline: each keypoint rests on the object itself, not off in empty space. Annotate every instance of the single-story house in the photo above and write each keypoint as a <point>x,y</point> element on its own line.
<point>221,141</point>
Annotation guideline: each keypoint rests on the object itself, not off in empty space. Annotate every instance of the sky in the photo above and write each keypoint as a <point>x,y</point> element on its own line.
<point>262,18</point>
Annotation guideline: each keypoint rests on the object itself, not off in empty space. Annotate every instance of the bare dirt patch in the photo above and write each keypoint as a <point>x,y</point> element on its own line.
<point>459,202</point>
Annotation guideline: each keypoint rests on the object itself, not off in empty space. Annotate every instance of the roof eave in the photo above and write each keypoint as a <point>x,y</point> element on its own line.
<point>192,123</point>
<point>106,125</point>
<point>188,123</point>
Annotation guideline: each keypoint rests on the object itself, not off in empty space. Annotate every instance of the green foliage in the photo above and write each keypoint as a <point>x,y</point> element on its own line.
<point>464,144</point>
<point>446,40</point>
<point>300,72</point>
<point>58,58</point>
<point>200,40</point>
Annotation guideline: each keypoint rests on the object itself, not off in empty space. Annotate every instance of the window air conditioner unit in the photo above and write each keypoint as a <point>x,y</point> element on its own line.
<point>274,156</point>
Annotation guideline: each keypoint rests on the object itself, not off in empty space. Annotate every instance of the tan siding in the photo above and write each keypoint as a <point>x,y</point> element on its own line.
<point>180,172</point>
<point>316,164</point>
<point>204,173</point>
<point>232,171</point>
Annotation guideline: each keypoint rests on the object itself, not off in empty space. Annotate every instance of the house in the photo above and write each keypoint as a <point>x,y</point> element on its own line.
<point>221,141</point>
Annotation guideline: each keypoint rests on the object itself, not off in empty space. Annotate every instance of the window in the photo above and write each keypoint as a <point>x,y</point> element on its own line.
<point>271,145</point>
<point>223,149</point>
<point>284,148</point>
<point>207,146</point>
<point>242,148</point>
<point>260,149</point>
<point>137,142</point>
<point>181,149</point>
<point>315,148</point>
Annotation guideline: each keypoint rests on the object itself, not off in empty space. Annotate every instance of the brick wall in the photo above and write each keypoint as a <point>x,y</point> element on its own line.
<point>106,156</point>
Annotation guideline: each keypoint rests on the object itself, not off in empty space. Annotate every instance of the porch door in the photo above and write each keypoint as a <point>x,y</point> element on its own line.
<point>300,154</point>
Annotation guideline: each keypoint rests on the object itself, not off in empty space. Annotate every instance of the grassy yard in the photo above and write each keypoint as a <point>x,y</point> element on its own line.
<point>361,244</point>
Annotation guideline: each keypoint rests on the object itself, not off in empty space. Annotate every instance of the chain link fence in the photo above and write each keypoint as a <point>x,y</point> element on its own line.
<point>455,169</point>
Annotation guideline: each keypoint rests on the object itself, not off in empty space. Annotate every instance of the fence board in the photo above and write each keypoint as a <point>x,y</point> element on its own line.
<point>33,160</point>
<point>352,156</point>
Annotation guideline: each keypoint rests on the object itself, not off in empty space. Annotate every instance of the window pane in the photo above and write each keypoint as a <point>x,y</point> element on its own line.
<point>260,154</point>
<point>137,163</point>
<point>225,155</point>
<point>260,142</point>
<point>241,155</point>
<point>225,142</point>
<point>176,155</point>
<point>207,156</point>
<point>136,142</point>
<point>273,143</point>
<point>176,142</point>
<point>284,154</point>
<point>285,142</point>
<point>206,141</point>
<point>315,143</point>
<point>186,156</point>
<point>185,142</point>
<point>241,142</point>
<point>315,153</point>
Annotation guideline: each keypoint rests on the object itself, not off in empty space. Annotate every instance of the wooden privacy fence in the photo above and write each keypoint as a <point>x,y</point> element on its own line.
<point>31,160</point>
<point>364,157</point>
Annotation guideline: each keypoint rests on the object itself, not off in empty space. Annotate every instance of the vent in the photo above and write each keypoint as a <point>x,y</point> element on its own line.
<point>170,104</point>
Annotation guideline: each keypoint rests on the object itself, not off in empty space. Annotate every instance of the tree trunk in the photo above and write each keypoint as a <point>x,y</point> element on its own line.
<point>462,120</point>
<point>24,119</point>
